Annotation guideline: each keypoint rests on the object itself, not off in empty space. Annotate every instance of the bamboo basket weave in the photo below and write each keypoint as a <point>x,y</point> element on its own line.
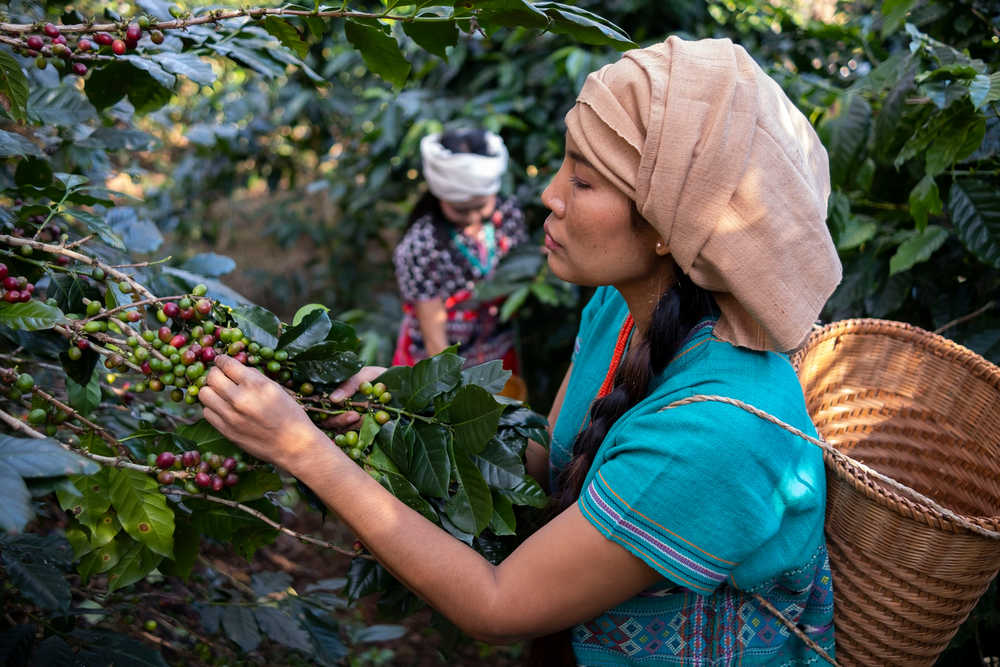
<point>913,484</point>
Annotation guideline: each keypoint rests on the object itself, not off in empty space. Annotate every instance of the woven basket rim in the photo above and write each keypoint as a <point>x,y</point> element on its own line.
<point>909,333</point>
<point>850,470</point>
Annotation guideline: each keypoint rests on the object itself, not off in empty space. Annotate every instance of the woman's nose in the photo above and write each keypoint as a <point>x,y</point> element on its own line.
<point>551,200</point>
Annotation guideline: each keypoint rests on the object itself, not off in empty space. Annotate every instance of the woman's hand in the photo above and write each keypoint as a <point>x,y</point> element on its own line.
<point>345,391</point>
<point>257,414</point>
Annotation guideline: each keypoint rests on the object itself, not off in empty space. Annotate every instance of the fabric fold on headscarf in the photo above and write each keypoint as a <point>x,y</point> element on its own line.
<point>728,171</point>
<point>459,177</point>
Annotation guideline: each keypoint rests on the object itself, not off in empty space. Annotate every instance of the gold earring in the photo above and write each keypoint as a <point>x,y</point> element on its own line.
<point>659,245</point>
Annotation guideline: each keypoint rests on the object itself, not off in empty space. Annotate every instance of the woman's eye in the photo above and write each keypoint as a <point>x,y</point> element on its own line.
<point>577,183</point>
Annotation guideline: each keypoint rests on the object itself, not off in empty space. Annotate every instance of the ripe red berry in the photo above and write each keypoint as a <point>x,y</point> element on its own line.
<point>104,38</point>
<point>232,479</point>
<point>204,306</point>
<point>208,354</point>
<point>118,47</point>
<point>186,313</point>
<point>165,460</point>
<point>178,340</point>
<point>146,368</point>
<point>133,316</point>
<point>84,45</point>
<point>12,296</point>
<point>206,340</point>
<point>171,309</point>
<point>10,282</point>
<point>62,260</point>
<point>133,32</point>
<point>130,44</point>
<point>203,480</point>
<point>188,357</point>
<point>165,334</point>
<point>241,357</point>
<point>165,477</point>
<point>51,30</point>
<point>59,39</point>
<point>35,42</point>
<point>190,458</point>
<point>3,270</point>
<point>229,463</point>
<point>83,344</point>
<point>217,483</point>
<point>79,69</point>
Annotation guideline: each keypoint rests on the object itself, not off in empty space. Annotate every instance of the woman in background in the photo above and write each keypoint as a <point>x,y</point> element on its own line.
<point>458,232</point>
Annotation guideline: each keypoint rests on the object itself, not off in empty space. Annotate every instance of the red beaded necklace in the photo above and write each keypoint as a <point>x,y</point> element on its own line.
<point>616,358</point>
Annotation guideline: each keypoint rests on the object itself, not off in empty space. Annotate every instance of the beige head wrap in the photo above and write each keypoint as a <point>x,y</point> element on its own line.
<point>730,174</point>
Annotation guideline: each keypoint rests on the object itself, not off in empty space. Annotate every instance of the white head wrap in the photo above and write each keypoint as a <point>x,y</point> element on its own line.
<point>459,177</point>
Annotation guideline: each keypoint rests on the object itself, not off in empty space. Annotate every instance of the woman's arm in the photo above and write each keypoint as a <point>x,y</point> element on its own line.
<point>432,317</point>
<point>536,457</point>
<point>565,573</point>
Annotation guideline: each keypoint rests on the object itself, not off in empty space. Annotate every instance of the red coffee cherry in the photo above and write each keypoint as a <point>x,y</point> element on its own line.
<point>51,30</point>
<point>165,460</point>
<point>170,309</point>
<point>35,42</point>
<point>133,32</point>
<point>79,69</point>
<point>203,480</point>
<point>104,38</point>
<point>118,47</point>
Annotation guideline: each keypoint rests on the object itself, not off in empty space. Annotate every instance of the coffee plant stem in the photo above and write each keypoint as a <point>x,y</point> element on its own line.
<point>135,304</point>
<point>73,414</point>
<point>19,425</point>
<point>78,242</point>
<point>21,360</point>
<point>70,335</point>
<point>965,318</point>
<point>368,405</point>
<point>62,250</point>
<point>170,490</point>
<point>219,15</point>
<point>139,265</point>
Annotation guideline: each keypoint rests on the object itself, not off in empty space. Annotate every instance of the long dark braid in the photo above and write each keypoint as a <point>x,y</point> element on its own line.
<point>676,313</point>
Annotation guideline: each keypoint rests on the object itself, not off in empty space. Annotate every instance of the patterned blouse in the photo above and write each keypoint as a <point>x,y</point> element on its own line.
<point>447,265</point>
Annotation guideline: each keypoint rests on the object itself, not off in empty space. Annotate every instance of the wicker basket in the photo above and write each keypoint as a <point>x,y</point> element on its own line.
<point>911,410</point>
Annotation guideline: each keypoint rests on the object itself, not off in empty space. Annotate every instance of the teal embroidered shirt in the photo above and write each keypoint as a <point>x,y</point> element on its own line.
<point>720,502</point>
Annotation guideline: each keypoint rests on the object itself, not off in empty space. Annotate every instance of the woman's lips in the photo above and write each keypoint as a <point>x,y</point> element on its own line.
<point>551,243</point>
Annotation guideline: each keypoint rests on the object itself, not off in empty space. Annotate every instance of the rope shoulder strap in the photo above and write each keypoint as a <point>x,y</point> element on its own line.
<point>833,452</point>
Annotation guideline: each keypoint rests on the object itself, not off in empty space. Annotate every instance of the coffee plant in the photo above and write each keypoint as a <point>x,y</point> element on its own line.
<point>110,477</point>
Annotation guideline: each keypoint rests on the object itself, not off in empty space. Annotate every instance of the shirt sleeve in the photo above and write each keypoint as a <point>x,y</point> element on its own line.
<point>693,490</point>
<point>418,261</point>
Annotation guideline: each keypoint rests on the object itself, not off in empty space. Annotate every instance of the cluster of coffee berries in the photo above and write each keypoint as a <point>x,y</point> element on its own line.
<point>349,440</point>
<point>49,42</point>
<point>197,471</point>
<point>15,288</point>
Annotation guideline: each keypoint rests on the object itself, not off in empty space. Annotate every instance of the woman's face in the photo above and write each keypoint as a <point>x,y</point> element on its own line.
<point>470,212</point>
<point>590,236</point>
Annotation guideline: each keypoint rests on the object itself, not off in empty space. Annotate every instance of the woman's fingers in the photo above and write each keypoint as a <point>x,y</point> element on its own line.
<point>351,384</point>
<point>235,371</point>
<point>343,421</point>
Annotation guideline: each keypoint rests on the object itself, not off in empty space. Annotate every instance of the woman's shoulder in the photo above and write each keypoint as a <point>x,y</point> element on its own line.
<point>738,380</point>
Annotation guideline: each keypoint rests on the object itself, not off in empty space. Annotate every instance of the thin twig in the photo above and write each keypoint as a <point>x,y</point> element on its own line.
<point>966,318</point>
<point>65,251</point>
<point>71,335</point>
<point>100,431</point>
<point>218,15</point>
<point>79,242</point>
<point>19,425</point>
<point>169,490</point>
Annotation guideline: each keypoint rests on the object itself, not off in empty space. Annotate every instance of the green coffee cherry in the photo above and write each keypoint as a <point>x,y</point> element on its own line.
<point>37,416</point>
<point>24,382</point>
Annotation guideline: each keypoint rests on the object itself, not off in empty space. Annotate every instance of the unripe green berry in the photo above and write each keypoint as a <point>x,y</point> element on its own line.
<point>281,355</point>
<point>382,417</point>
<point>273,366</point>
<point>385,397</point>
<point>351,438</point>
<point>199,290</point>
<point>266,353</point>
<point>366,388</point>
<point>37,416</point>
<point>306,388</point>
<point>125,287</point>
<point>24,382</point>
<point>74,353</point>
<point>93,308</point>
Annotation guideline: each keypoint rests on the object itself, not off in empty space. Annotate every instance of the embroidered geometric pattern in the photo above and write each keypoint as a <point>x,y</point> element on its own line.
<point>726,627</point>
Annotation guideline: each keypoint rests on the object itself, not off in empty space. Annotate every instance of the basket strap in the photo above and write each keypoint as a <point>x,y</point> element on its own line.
<point>795,629</point>
<point>840,456</point>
